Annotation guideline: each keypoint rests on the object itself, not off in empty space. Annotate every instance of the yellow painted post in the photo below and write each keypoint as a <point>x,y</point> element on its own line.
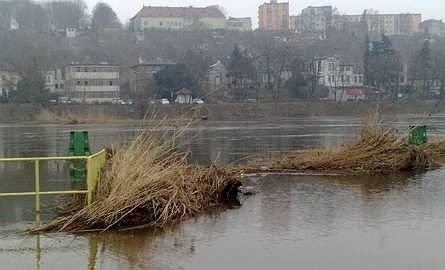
<point>37,188</point>
<point>90,180</point>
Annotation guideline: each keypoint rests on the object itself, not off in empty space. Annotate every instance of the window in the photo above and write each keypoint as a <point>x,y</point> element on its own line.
<point>86,83</point>
<point>78,82</point>
<point>111,83</point>
<point>161,23</point>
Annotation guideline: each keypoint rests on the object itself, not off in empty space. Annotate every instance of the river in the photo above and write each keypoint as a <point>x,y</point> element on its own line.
<point>294,222</point>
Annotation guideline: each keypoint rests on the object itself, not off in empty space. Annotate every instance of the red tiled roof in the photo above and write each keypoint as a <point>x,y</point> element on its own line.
<point>208,12</point>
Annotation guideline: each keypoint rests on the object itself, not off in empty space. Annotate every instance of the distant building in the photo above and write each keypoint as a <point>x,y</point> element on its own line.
<point>14,25</point>
<point>71,32</point>
<point>92,83</point>
<point>346,22</point>
<point>433,27</point>
<point>239,24</point>
<point>143,74</point>
<point>316,19</point>
<point>332,73</point>
<point>178,18</point>
<point>8,83</point>
<point>184,96</point>
<point>217,76</point>
<point>54,82</point>
<point>295,23</point>
<point>274,16</point>
<point>393,24</point>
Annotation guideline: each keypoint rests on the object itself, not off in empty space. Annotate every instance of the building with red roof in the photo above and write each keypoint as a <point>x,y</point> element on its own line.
<point>178,18</point>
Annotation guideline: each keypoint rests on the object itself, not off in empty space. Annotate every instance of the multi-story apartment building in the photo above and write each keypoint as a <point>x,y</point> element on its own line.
<point>92,83</point>
<point>178,18</point>
<point>433,27</point>
<point>344,22</point>
<point>393,24</point>
<point>274,16</point>
<point>295,23</point>
<point>316,19</point>
<point>239,24</point>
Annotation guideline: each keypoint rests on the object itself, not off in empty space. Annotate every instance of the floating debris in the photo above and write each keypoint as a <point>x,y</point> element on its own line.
<point>149,183</point>
<point>377,150</point>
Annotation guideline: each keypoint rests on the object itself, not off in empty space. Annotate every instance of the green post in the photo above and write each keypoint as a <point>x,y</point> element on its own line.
<point>418,135</point>
<point>79,146</point>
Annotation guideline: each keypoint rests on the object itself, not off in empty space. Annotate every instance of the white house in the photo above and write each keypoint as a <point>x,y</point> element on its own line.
<point>8,83</point>
<point>217,76</point>
<point>184,96</point>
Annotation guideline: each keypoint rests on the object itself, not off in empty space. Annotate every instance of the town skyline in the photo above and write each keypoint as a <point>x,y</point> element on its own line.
<point>430,9</point>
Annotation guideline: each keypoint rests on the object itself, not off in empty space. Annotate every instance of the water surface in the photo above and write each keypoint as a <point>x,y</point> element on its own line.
<point>392,222</point>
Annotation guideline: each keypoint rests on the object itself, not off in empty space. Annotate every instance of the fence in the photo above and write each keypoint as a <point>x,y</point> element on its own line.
<point>94,165</point>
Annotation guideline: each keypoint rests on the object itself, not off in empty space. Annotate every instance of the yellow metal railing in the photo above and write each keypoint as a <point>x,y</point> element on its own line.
<point>94,165</point>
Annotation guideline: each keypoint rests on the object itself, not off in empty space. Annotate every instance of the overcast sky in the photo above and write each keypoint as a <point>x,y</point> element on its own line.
<point>249,8</point>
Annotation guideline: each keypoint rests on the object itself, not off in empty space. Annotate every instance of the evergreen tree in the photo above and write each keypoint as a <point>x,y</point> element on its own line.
<point>174,78</point>
<point>242,72</point>
<point>104,17</point>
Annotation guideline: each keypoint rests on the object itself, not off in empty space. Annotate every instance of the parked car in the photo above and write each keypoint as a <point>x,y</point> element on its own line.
<point>198,101</point>
<point>164,101</point>
<point>126,102</point>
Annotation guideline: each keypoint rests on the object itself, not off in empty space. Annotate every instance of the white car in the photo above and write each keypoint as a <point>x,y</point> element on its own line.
<point>164,101</point>
<point>198,101</point>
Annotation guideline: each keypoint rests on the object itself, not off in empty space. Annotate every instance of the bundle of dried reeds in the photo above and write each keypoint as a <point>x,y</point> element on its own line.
<point>149,183</point>
<point>377,150</point>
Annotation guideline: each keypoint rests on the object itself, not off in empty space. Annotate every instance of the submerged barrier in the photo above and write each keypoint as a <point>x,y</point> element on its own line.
<point>94,165</point>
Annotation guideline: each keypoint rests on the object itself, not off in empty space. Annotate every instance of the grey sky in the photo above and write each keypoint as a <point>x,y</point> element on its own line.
<point>249,8</point>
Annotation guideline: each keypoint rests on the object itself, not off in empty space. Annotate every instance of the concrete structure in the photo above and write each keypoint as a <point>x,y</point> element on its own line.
<point>143,74</point>
<point>8,83</point>
<point>239,24</point>
<point>316,20</point>
<point>274,16</point>
<point>178,18</point>
<point>433,27</point>
<point>92,83</point>
<point>184,96</point>
<point>54,82</point>
<point>217,76</point>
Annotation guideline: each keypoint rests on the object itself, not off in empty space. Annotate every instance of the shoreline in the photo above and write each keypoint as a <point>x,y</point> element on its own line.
<point>119,114</point>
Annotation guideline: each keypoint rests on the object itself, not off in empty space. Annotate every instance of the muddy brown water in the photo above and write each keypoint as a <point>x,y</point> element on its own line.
<point>294,222</point>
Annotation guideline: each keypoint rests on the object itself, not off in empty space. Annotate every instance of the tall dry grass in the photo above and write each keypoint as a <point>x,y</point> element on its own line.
<point>377,150</point>
<point>149,183</point>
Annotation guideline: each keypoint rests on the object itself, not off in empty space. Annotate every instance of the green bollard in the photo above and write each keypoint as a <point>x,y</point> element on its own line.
<point>79,146</point>
<point>418,135</point>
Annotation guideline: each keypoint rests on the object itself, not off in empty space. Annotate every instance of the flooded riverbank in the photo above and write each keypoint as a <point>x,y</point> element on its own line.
<point>392,222</point>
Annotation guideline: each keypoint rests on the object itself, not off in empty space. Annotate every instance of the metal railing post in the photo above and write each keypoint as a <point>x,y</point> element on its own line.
<point>90,180</point>
<point>37,188</point>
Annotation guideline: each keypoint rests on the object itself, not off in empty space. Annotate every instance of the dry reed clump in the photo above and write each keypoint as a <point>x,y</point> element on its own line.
<point>378,150</point>
<point>148,183</point>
